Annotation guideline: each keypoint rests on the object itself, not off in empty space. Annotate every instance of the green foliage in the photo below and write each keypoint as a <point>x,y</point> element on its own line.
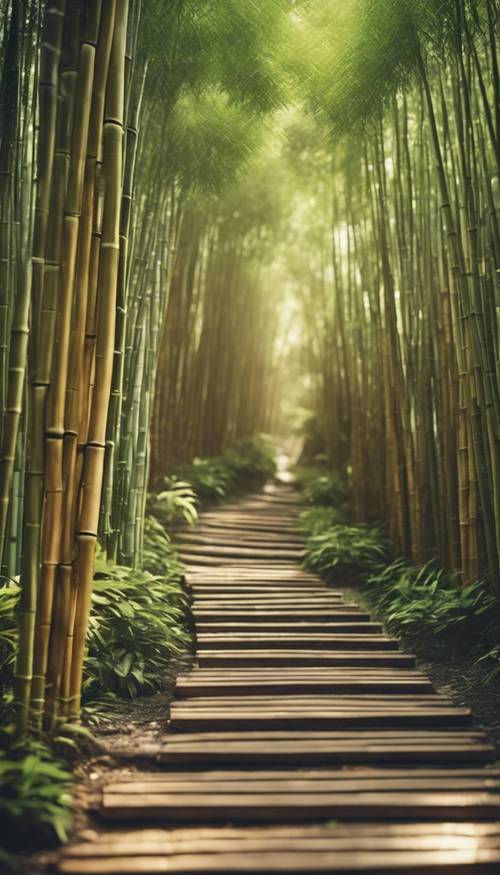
<point>427,601</point>
<point>176,502</point>
<point>318,519</point>
<point>351,56</point>
<point>9,595</point>
<point>139,623</point>
<point>346,550</point>
<point>192,45</point>
<point>208,142</point>
<point>159,554</point>
<point>250,462</point>
<point>244,465</point>
<point>491,664</point>
<point>35,799</point>
<point>323,487</point>
<point>209,478</point>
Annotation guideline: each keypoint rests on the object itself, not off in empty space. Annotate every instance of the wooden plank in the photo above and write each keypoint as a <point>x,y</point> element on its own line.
<point>299,627</point>
<point>277,686</point>
<point>218,658</point>
<point>486,776</point>
<point>265,600</point>
<point>303,807</point>
<point>340,613</point>
<point>278,719</point>
<point>301,591</point>
<point>306,749</point>
<point>284,641</point>
<point>277,543</point>
<point>305,704</point>
<point>449,862</point>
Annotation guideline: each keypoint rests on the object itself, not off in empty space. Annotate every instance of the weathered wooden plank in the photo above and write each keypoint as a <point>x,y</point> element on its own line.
<point>303,657</point>
<point>313,716</point>
<point>284,641</point>
<point>262,807</point>
<point>217,688</point>
<point>487,778</point>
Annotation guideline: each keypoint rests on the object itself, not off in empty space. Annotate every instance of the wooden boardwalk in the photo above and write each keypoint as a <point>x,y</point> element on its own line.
<point>303,741</point>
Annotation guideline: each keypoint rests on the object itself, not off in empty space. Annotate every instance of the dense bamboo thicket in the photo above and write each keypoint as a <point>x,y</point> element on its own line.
<point>401,307</point>
<point>219,336</point>
<point>91,214</point>
<point>177,181</point>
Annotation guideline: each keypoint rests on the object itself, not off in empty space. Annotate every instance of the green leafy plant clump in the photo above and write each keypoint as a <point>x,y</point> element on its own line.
<point>428,601</point>
<point>352,551</point>
<point>139,625</point>
<point>245,464</point>
<point>177,501</point>
<point>316,520</point>
<point>324,488</point>
<point>9,595</point>
<point>35,796</point>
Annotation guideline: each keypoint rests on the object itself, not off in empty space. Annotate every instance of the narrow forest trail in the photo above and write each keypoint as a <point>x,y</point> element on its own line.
<point>300,712</point>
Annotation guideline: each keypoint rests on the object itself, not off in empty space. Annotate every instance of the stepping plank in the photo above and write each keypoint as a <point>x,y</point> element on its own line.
<point>230,574</point>
<point>289,627</point>
<point>338,614</point>
<point>235,541</point>
<point>174,806</point>
<point>283,523</point>
<point>243,524</point>
<point>243,552</point>
<point>332,675</point>
<point>468,862</point>
<point>315,719</point>
<point>370,847</point>
<point>238,536</point>
<point>283,640</point>
<point>277,686</point>
<point>303,748</point>
<point>296,657</point>
<point>192,558</point>
<point>303,703</point>
<point>328,673</point>
<point>211,838</point>
<point>470,778</point>
<point>275,589</point>
<point>268,599</point>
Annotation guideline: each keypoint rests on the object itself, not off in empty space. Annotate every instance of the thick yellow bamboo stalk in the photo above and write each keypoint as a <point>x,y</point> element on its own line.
<point>106,302</point>
<point>48,81</point>
<point>44,353</point>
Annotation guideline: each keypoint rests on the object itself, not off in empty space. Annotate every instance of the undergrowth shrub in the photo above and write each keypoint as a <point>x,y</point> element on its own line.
<point>176,502</point>
<point>245,464</point>
<point>9,595</point>
<point>323,487</point>
<point>427,602</point>
<point>139,624</point>
<point>316,520</point>
<point>346,551</point>
<point>35,796</point>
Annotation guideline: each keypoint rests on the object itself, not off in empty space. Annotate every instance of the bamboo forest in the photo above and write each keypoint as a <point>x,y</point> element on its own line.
<point>249,437</point>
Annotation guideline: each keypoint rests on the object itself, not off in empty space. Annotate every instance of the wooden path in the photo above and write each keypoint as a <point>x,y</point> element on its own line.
<point>304,741</point>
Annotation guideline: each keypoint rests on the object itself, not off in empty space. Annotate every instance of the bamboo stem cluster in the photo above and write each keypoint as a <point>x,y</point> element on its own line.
<point>406,351</point>
<point>72,295</point>
<point>217,367</point>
